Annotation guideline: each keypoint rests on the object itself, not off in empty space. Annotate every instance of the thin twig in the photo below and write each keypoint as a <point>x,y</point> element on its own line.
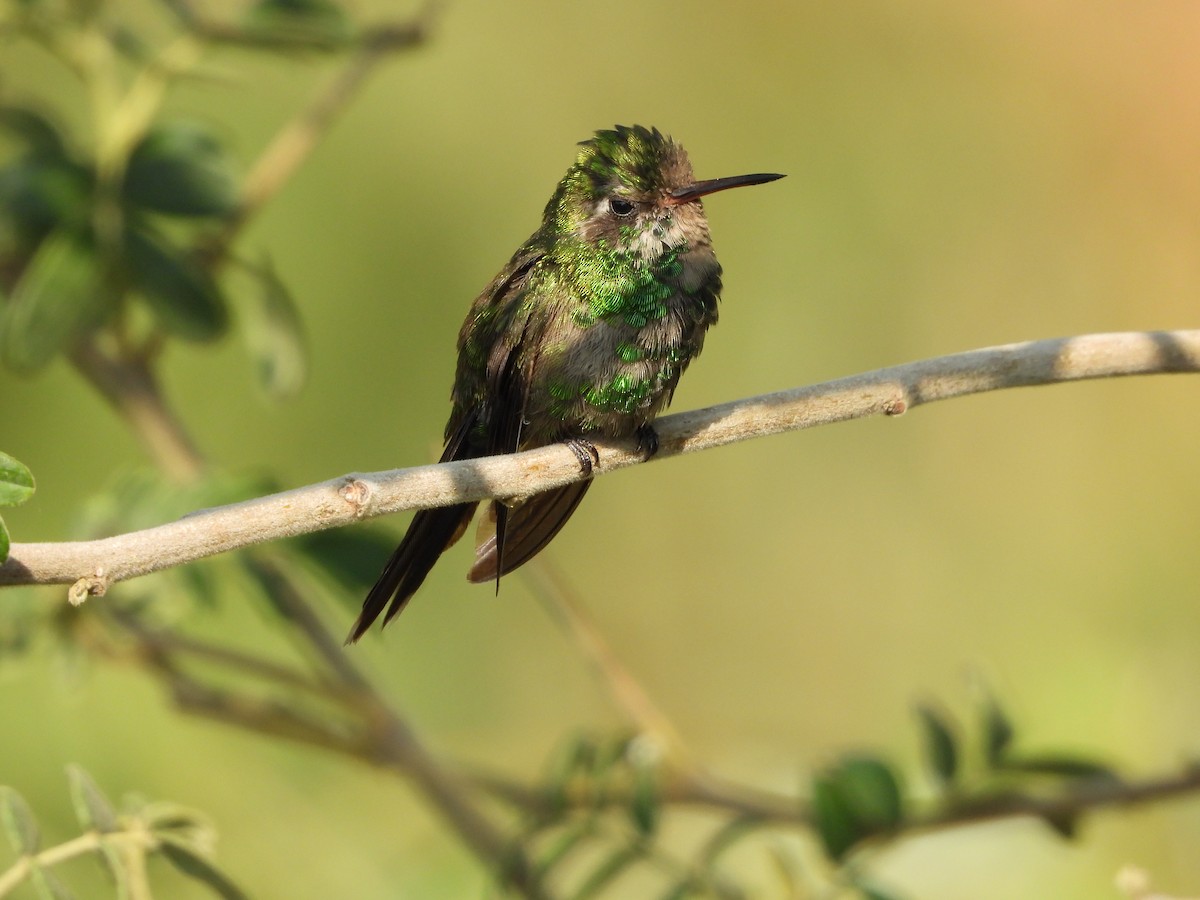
<point>92,566</point>
<point>274,577</point>
<point>133,391</point>
<point>1080,797</point>
<point>161,642</point>
<point>573,618</point>
<point>90,842</point>
<point>293,144</point>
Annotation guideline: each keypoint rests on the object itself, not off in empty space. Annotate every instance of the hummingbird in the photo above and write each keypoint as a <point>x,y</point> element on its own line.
<point>582,335</point>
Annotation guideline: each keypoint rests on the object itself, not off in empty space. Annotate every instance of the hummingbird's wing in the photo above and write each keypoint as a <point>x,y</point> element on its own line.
<point>478,408</point>
<point>512,534</point>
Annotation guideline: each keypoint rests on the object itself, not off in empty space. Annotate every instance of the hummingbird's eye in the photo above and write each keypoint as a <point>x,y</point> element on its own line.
<point>621,207</point>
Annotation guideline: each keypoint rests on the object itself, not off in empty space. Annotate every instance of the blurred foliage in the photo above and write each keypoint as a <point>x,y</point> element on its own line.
<point>122,240</point>
<point>94,233</point>
<point>123,840</point>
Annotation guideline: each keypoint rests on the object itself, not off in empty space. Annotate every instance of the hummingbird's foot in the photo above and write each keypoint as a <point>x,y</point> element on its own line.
<point>585,451</point>
<point>647,440</point>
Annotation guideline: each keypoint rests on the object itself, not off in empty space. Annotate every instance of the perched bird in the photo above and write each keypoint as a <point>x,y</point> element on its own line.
<point>583,334</point>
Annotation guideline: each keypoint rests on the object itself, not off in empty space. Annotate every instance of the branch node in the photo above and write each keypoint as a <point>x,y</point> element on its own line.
<point>897,406</point>
<point>94,585</point>
<point>359,494</point>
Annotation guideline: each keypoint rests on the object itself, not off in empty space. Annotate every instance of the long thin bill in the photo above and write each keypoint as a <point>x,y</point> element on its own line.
<point>700,188</point>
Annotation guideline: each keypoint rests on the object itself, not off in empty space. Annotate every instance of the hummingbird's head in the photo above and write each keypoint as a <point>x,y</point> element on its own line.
<point>632,189</point>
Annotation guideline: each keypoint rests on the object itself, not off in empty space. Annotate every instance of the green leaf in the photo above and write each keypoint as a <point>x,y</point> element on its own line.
<point>351,556</point>
<point>58,298</point>
<point>644,805</point>
<point>609,752</point>
<point>181,824</point>
<point>34,129</point>
<point>566,841</point>
<point>40,192</point>
<point>608,871</point>
<point>5,541</point>
<point>874,892</point>
<point>19,822</point>
<point>835,822</point>
<point>47,885</point>
<point>682,889</point>
<point>317,23</point>
<point>566,762</point>
<point>16,481</point>
<point>122,865</point>
<point>854,799</point>
<point>192,864</point>
<point>92,808</point>
<point>1065,824</point>
<point>181,169</point>
<point>872,792</point>
<point>941,745</point>
<point>182,294</point>
<point>997,731</point>
<point>727,836</point>
<point>274,335</point>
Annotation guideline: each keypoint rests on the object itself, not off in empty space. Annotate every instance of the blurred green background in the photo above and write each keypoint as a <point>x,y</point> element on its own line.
<point>960,175</point>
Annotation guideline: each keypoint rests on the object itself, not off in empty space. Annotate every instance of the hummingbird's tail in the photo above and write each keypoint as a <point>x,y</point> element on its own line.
<point>431,533</point>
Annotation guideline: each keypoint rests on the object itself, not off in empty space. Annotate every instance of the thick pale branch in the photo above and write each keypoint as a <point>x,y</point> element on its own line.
<point>92,566</point>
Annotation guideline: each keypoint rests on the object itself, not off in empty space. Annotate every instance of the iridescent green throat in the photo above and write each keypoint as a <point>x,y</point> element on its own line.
<point>618,285</point>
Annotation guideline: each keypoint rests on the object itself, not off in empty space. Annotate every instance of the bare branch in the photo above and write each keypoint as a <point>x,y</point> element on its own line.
<point>92,566</point>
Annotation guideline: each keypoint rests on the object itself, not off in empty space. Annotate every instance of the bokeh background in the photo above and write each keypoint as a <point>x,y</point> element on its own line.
<point>960,175</point>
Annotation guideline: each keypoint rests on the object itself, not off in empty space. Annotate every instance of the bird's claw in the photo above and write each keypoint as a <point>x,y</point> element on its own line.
<point>585,451</point>
<point>647,440</point>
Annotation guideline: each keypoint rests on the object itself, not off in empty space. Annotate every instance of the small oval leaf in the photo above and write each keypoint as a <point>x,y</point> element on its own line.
<point>92,808</point>
<point>608,870</point>
<point>37,131</point>
<point>16,481</point>
<point>998,731</point>
<point>192,864</point>
<point>560,848</point>
<point>40,192</point>
<point>19,822</point>
<point>833,818</point>
<point>274,335</point>
<point>644,804</point>
<point>872,791</point>
<point>941,745</point>
<point>58,298</point>
<point>181,169</point>
<point>47,885</point>
<point>182,294</point>
<point>316,23</point>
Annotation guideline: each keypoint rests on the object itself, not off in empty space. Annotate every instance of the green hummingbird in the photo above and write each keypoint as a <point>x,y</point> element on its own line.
<point>583,334</point>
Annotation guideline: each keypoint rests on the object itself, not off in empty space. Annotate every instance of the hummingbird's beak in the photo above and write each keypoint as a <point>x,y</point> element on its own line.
<point>700,188</point>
